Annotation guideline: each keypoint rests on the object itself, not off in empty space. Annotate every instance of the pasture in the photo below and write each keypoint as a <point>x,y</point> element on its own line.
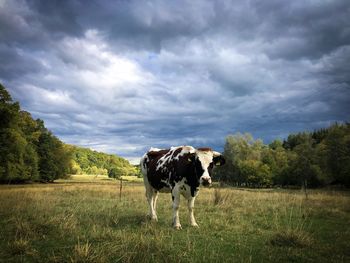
<point>85,220</point>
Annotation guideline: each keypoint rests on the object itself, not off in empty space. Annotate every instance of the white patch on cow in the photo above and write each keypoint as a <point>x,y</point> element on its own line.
<point>143,165</point>
<point>169,156</point>
<point>166,158</point>
<point>185,150</point>
<point>152,149</point>
<point>185,189</point>
<point>205,158</point>
<point>216,154</point>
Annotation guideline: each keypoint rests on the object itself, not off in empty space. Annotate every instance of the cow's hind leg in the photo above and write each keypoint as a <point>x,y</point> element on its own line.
<point>151,195</point>
<point>176,204</point>
<point>155,197</point>
<point>190,204</point>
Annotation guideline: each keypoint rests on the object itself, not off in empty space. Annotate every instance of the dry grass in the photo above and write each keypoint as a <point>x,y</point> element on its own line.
<point>291,238</point>
<point>86,221</point>
<point>221,197</point>
<point>20,246</point>
<point>83,253</point>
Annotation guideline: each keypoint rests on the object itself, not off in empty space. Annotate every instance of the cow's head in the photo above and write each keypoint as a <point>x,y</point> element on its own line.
<point>204,160</point>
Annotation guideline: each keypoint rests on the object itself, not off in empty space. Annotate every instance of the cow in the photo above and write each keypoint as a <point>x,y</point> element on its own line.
<point>179,170</point>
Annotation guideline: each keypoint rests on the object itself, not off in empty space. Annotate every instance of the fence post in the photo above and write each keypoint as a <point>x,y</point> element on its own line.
<point>121,188</point>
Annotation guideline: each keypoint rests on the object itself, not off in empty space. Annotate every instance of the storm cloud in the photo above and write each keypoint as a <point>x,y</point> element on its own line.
<point>122,76</point>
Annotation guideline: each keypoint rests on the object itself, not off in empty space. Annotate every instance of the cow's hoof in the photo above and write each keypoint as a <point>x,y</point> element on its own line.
<point>195,225</point>
<point>152,218</point>
<point>178,227</point>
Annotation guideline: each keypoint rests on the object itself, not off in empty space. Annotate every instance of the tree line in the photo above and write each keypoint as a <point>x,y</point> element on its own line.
<point>86,161</point>
<point>309,159</point>
<point>30,152</point>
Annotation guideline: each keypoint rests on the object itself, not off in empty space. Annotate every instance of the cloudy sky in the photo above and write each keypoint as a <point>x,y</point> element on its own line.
<point>122,76</point>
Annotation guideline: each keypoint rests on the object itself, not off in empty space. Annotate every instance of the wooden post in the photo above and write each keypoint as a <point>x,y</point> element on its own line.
<point>121,188</point>
<point>305,188</point>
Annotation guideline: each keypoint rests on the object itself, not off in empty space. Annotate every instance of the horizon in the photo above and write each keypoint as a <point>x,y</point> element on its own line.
<point>123,77</point>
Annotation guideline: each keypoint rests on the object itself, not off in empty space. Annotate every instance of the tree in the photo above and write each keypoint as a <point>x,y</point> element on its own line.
<point>305,165</point>
<point>116,172</point>
<point>74,167</point>
<point>243,157</point>
<point>256,173</point>
<point>54,158</point>
<point>18,158</point>
<point>337,148</point>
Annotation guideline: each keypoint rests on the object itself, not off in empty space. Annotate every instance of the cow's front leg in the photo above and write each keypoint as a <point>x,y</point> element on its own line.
<point>190,204</point>
<point>176,204</point>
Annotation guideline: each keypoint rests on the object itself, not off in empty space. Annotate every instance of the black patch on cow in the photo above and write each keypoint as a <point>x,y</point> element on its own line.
<point>157,179</point>
<point>195,171</point>
<point>155,154</point>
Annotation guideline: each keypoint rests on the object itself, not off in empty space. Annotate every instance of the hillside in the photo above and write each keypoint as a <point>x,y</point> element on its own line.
<point>88,161</point>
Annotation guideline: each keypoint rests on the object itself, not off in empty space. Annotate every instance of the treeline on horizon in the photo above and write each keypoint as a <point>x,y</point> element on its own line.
<point>30,152</point>
<point>307,159</point>
<point>86,161</point>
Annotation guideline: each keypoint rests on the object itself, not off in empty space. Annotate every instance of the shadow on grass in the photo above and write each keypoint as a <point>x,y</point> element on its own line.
<point>128,220</point>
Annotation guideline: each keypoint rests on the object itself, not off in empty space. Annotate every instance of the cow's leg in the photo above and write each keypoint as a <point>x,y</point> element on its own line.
<point>176,204</point>
<point>150,198</point>
<point>190,204</point>
<point>155,197</point>
<point>150,194</point>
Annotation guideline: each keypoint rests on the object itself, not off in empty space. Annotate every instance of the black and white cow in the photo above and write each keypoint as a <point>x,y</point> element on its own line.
<point>179,170</point>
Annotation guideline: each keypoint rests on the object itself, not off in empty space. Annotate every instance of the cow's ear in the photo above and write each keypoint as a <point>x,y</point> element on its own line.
<point>218,159</point>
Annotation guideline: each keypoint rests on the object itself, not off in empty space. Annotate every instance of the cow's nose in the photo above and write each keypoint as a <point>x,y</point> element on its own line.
<point>206,182</point>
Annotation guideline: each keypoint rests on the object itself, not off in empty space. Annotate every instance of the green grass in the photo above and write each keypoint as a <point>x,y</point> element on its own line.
<point>84,220</point>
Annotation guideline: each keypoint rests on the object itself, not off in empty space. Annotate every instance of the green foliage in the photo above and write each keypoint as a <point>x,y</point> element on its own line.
<point>255,173</point>
<point>115,173</point>
<point>74,167</point>
<point>309,159</point>
<point>28,151</point>
<point>92,162</point>
<point>17,157</point>
<point>55,159</point>
<point>337,153</point>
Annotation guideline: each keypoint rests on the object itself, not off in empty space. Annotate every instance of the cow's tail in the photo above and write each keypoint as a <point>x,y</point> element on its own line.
<point>143,165</point>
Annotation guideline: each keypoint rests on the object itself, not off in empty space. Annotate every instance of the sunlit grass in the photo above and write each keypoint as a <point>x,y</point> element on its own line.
<point>88,221</point>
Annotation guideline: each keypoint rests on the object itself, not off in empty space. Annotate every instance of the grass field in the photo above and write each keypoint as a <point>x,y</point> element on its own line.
<point>85,220</point>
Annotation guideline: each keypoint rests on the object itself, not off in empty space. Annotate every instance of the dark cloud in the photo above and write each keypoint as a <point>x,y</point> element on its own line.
<point>121,76</point>
<point>16,63</point>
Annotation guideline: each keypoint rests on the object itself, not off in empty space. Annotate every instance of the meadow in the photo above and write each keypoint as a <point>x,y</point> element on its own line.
<point>84,219</point>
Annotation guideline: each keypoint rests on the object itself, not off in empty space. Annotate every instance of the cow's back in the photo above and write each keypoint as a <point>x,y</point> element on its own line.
<point>151,174</point>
